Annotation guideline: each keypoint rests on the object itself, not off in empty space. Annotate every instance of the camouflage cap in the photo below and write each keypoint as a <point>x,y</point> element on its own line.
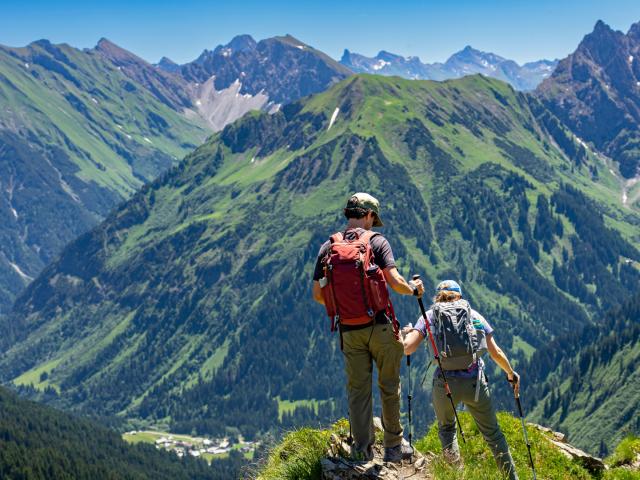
<point>367,202</point>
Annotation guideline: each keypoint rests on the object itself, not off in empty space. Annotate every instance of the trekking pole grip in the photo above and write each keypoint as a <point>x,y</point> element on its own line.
<point>415,289</point>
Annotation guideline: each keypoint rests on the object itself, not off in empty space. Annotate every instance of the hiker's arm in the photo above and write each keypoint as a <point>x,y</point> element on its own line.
<point>317,292</point>
<point>411,342</point>
<point>399,284</point>
<point>501,359</point>
<point>498,355</point>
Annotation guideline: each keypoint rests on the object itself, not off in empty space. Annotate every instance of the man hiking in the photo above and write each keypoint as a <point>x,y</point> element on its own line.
<point>351,275</point>
<point>462,335</point>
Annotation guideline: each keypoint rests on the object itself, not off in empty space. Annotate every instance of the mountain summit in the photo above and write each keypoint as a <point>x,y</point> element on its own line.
<point>596,92</point>
<point>468,61</point>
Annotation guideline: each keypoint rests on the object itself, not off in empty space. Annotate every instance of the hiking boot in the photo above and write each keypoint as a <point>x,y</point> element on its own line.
<point>398,453</point>
<point>453,458</point>
<point>360,456</point>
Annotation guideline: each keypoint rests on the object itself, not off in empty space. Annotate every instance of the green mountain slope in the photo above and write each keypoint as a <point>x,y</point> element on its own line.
<point>77,136</point>
<point>38,442</point>
<point>593,389</point>
<point>191,302</point>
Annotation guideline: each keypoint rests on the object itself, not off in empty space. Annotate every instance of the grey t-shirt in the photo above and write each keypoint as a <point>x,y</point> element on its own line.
<point>383,256</point>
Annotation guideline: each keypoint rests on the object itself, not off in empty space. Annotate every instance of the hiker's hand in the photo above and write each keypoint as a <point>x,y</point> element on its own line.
<point>418,287</point>
<point>514,380</point>
<point>405,330</point>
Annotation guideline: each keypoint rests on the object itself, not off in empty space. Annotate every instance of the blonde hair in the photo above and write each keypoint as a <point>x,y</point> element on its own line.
<point>446,296</point>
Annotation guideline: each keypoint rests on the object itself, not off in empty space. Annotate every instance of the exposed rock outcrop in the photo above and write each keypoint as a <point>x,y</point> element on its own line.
<point>337,467</point>
<point>591,463</point>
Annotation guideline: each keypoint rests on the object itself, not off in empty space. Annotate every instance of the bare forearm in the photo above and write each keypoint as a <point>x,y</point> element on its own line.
<point>411,341</point>
<point>402,287</point>
<point>398,283</point>
<point>501,359</point>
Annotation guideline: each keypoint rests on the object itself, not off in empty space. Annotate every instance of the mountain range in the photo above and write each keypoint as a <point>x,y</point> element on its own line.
<point>81,130</point>
<point>189,303</point>
<point>193,297</point>
<point>468,61</point>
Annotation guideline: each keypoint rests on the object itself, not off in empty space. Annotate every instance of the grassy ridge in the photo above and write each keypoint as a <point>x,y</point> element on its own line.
<point>298,455</point>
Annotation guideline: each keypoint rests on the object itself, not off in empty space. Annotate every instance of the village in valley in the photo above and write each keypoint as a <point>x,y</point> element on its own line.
<point>199,447</point>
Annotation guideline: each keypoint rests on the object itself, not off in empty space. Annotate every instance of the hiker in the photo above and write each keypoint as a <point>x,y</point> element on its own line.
<point>351,275</point>
<point>453,323</point>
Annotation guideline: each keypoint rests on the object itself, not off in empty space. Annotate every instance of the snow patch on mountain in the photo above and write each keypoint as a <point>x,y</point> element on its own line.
<point>380,65</point>
<point>221,107</point>
<point>19,271</point>
<point>333,117</point>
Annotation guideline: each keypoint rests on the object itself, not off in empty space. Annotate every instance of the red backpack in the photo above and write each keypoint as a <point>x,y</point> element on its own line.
<point>355,288</point>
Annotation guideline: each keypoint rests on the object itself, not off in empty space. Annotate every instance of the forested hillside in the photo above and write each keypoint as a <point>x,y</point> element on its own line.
<point>191,303</point>
<point>38,442</point>
<point>589,384</point>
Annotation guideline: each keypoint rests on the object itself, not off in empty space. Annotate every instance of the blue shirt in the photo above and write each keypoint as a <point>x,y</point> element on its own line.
<point>472,371</point>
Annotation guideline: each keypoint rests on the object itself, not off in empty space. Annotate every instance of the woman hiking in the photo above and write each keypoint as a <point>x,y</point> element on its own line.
<point>462,335</point>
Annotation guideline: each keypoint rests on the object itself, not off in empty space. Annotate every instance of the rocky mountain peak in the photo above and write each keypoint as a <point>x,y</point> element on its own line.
<point>117,54</point>
<point>346,57</point>
<point>168,65</point>
<point>242,42</point>
<point>634,32</point>
<point>239,43</point>
<point>595,91</point>
<point>602,41</point>
<point>388,56</point>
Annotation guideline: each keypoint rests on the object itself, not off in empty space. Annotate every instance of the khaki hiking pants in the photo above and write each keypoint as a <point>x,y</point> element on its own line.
<point>361,348</point>
<point>464,390</point>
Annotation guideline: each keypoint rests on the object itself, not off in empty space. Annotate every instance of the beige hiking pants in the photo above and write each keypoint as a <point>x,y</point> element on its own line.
<point>360,347</point>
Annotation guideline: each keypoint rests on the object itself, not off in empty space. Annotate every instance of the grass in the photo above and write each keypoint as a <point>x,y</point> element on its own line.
<point>524,347</point>
<point>480,465</point>
<point>626,452</point>
<point>299,453</point>
<point>298,456</point>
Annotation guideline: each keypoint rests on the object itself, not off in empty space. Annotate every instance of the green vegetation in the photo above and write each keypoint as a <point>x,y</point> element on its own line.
<point>298,455</point>
<point>212,261</point>
<point>78,136</point>
<point>626,452</point>
<point>480,465</point>
<point>38,442</point>
<point>592,393</point>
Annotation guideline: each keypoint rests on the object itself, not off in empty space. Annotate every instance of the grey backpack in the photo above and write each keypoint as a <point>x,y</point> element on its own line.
<point>460,339</point>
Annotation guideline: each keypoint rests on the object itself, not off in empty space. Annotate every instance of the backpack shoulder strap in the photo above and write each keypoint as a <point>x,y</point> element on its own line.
<point>368,235</point>
<point>336,237</point>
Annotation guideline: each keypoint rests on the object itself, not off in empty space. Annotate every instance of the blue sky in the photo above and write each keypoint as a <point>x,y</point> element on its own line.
<point>433,30</point>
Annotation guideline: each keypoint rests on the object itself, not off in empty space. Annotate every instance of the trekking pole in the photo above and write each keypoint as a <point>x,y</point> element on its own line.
<point>436,355</point>
<point>409,401</point>
<point>524,428</point>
